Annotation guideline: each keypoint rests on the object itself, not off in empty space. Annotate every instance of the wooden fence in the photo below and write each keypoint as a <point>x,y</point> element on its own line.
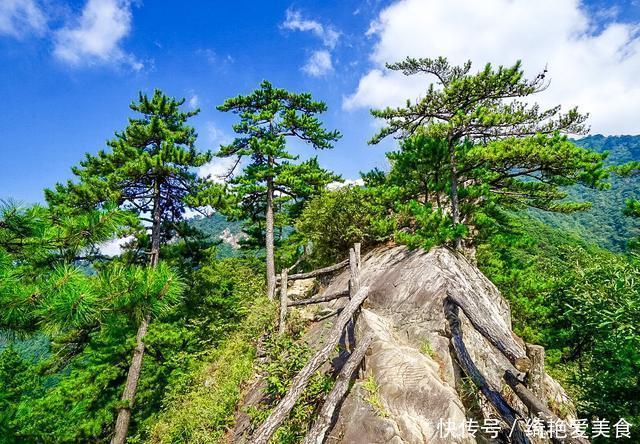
<point>342,326</point>
<point>531,362</point>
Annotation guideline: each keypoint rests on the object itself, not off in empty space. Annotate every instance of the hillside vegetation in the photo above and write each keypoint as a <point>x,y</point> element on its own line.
<point>603,223</point>
<point>160,342</point>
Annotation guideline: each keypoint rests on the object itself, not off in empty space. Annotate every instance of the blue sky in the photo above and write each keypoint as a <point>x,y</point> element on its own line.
<point>68,69</point>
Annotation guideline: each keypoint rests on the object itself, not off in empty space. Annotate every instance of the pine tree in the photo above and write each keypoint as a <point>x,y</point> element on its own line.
<point>41,258</point>
<point>630,169</point>
<point>150,171</point>
<point>268,117</point>
<point>493,140</point>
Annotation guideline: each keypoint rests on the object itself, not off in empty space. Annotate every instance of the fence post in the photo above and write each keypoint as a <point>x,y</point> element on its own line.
<point>354,286</point>
<point>283,300</point>
<point>301,380</point>
<point>535,377</point>
<point>354,275</point>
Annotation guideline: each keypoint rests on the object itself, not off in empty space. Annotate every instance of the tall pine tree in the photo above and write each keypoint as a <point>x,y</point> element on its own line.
<point>492,140</point>
<point>268,117</point>
<point>150,171</point>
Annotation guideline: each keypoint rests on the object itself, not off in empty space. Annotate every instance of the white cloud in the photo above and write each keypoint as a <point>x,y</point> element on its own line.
<point>219,167</point>
<point>96,37</point>
<point>114,247</point>
<point>345,183</point>
<point>595,68</point>
<point>216,136</point>
<point>194,101</point>
<point>21,17</point>
<point>318,64</point>
<point>295,22</point>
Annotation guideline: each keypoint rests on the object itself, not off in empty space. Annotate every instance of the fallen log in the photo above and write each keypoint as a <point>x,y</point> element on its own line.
<point>481,321</point>
<point>539,409</point>
<point>318,299</point>
<point>466,363</point>
<point>326,416</point>
<point>319,271</point>
<point>300,381</point>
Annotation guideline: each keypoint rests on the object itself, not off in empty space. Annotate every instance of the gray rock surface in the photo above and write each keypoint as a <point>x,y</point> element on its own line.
<point>410,382</point>
<point>414,370</point>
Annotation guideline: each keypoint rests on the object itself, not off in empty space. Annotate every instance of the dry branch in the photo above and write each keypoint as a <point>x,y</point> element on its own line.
<point>319,271</point>
<point>326,416</point>
<point>300,381</point>
<point>482,322</point>
<point>538,408</point>
<point>466,363</point>
<point>318,299</point>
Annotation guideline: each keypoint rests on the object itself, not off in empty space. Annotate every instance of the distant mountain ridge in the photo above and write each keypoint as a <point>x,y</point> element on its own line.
<point>219,228</point>
<point>604,224</point>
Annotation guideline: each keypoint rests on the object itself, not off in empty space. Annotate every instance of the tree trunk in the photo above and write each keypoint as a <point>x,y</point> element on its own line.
<point>129,394</point>
<point>283,301</point>
<point>271,266</point>
<point>455,208</point>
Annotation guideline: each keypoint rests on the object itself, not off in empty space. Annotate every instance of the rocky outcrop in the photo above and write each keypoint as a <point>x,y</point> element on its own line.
<point>411,389</point>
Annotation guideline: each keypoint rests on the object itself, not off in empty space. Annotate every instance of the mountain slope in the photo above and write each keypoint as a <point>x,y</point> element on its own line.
<point>218,228</point>
<point>604,224</point>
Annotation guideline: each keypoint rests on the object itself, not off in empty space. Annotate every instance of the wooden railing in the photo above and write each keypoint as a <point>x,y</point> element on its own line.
<point>533,399</point>
<point>343,324</point>
<point>531,361</point>
<point>354,266</point>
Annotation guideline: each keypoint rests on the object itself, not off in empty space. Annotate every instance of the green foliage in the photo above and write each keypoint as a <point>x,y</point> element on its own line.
<point>15,379</point>
<point>370,385</point>
<point>469,144</point>
<point>463,106</point>
<point>285,358</point>
<point>42,287</point>
<point>208,336</point>
<point>200,404</point>
<point>77,403</point>
<point>581,303</point>
<point>335,220</point>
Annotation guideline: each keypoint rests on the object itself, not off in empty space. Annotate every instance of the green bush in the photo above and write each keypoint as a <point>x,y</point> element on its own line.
<point>285,357</point>
<point>337,219</point>
<point>200,408</point>
<point>582,303</point>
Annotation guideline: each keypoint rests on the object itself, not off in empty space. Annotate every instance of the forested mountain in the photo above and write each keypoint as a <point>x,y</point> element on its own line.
<point>604,223</point>
<point>227,234</point>
<point>172,341</point>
